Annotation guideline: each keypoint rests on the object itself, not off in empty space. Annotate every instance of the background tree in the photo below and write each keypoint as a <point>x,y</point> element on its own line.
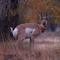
<point>4,6</point>
<point>33,8</point>
<point>7,19</point>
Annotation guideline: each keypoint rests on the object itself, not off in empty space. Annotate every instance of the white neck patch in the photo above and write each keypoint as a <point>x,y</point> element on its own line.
<point>43,26</point>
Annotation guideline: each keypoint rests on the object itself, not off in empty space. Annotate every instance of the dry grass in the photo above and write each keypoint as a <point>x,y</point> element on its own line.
<point>7,53</point>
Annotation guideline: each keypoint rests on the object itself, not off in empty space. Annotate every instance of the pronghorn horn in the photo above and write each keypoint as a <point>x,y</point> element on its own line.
<point>47,17</point>
<point>41,17</point>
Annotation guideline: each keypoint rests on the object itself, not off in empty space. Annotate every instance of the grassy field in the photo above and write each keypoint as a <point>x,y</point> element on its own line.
<point>44,49</point>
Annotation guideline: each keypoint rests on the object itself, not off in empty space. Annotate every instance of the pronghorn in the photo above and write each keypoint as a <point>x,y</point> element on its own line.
<point>29,30</point>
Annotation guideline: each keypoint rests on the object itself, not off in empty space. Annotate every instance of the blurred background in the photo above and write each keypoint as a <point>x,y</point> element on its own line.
<point>15,12</point>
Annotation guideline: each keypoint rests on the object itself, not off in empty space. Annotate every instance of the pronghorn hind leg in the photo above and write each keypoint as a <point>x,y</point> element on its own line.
<point>16,43</point>
<point>14,49</point>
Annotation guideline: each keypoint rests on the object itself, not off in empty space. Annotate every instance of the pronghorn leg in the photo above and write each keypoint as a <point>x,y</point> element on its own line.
<point>32,44</point>
<point>14,49</point>
<point>16,44</point>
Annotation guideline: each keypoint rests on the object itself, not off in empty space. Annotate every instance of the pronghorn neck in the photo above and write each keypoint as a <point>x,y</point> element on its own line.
<point>42,28</point>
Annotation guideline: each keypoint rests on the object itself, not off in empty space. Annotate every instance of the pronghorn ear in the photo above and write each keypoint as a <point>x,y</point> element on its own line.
<point>47,17</point>
<point>41,17</point>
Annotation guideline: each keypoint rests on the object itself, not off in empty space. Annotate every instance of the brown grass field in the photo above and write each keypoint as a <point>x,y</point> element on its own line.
<point>45,48</point>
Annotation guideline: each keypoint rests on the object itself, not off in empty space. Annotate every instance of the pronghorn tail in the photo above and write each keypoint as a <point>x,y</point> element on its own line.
<point>11,30</point>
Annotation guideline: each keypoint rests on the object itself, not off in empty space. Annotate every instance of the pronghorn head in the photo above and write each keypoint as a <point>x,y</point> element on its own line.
<point>44,20</point>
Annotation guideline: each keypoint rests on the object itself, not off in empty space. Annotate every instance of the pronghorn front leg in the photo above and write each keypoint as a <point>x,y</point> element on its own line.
<point>32,44</point>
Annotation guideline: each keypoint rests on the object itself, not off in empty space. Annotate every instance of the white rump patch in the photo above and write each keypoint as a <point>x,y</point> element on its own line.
<point>29,32</point>
<point>15,32</point>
